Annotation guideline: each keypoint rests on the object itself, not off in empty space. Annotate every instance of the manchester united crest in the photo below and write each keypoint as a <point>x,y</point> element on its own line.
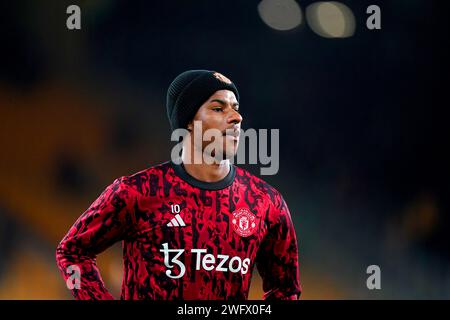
<point>244,222</point>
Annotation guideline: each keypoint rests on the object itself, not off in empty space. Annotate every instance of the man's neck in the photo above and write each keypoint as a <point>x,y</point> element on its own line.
<point>206,172</point>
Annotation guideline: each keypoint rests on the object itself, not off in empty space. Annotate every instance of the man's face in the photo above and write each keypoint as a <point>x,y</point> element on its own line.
<point>220,112</point>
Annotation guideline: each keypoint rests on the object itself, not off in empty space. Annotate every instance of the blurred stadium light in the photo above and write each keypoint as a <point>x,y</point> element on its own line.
<point>331,19</point>
<point>280,15</point>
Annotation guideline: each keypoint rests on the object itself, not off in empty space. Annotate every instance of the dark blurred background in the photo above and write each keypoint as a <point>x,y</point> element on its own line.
<point>362,117</point>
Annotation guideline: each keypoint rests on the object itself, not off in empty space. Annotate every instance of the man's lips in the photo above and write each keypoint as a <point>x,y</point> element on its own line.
<point>234,133</point>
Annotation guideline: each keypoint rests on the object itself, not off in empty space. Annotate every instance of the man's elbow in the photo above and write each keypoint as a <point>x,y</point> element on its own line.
<point>60,255</point>
<point>63,256</point>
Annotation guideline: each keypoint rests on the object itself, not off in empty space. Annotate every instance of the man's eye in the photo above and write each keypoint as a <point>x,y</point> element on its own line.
<point>217,109</point>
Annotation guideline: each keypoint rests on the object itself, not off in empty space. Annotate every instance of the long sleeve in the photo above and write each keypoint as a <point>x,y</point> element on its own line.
<point>277,258</point>
<point>109,219</point>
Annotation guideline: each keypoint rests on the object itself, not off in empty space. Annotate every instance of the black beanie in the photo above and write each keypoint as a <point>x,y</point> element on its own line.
<point>189,91</point>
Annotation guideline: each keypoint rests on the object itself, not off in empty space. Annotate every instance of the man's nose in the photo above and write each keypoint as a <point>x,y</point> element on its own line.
<point>235,117</point>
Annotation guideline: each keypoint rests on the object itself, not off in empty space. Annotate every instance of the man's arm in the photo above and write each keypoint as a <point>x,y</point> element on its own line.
<point>277,258</point>
<point>108,220</point>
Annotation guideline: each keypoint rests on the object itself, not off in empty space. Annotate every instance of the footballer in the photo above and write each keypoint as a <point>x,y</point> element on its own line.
<point>190,230</point>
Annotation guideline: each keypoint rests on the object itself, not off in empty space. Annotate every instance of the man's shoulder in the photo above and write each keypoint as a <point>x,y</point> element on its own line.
<point>257,184</point>
<point>140,178</point>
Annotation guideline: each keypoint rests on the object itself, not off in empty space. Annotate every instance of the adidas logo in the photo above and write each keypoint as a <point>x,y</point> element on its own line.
<point>176,222</point>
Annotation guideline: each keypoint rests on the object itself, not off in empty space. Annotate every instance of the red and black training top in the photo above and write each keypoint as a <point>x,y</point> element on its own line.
<point>186,239</point>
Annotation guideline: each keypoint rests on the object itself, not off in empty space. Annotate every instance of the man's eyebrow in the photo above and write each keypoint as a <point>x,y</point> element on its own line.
<point>222,102</point>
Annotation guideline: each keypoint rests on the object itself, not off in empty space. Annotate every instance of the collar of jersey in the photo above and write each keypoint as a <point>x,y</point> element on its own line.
<point>218,185</point>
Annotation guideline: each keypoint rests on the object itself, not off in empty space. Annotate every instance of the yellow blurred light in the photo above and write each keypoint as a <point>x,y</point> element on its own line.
<point>280,15</point>
<point>331,19</point>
